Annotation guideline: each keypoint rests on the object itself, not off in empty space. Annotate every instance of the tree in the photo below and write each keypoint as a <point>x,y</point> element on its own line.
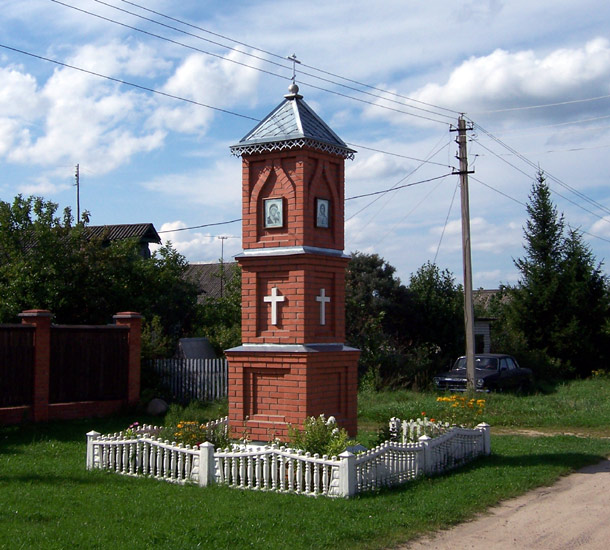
<point>559,308</point>
<point>405,334</point>
<point>439,310</point>
<point>219,319</point>
<point>49,262</point>
<point>538,297</point>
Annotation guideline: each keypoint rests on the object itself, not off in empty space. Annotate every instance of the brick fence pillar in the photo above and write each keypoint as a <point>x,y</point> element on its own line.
<point>41,319</point>
<point>134,322</point>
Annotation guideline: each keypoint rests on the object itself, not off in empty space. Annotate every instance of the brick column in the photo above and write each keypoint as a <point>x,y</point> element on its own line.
<point>41,319</point>
<point>134,322</point>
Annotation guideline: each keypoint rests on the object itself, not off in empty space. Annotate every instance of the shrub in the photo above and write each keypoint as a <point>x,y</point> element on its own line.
<point>320,436</point>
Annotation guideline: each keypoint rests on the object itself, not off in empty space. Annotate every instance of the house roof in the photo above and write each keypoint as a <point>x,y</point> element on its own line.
<point>145,232</point>
<point>208,280</point>
<point>292,124</point>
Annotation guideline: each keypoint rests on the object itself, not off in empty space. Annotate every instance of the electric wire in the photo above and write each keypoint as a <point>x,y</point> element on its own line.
<point>446,222</point>
<point>543,106</point>
<point>199,226</point>
<point>173,96</point>
<point>396,188</point>
<point>549,176</point>
<point>334,75</point>
<point>127,83</point>
<point>154,35</point>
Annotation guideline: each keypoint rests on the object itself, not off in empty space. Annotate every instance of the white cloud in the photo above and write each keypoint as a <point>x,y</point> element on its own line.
<point>503,79</point>
<point>208,81</point>
<point>218,185</point>
<point>200,246</point>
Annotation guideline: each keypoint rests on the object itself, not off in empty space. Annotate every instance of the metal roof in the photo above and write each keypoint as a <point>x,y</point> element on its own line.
<point>146,232</point>
<point>292,124</point>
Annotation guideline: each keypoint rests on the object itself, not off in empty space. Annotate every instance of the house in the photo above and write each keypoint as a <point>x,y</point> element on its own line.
<point>144,232</point>
<point>211,278</point>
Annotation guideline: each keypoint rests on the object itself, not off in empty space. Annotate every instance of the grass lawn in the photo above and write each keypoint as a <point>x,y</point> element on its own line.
<point>49,500</point>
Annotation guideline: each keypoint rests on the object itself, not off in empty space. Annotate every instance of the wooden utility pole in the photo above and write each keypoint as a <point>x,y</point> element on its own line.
<point>222,238</point>
<point>77,184</point>
<point>468,306</point>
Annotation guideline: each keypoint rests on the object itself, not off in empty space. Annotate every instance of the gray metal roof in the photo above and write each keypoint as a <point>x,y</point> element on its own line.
<point>146,232</point>
<point>292,124</point>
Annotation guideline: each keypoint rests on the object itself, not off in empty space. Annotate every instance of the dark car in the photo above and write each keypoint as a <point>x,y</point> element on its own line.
<point>493,371</point>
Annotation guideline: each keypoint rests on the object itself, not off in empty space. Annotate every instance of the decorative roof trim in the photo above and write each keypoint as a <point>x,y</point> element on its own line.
<point>256,148</point>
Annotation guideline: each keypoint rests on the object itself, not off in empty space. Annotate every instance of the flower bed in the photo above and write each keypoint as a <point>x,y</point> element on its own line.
<point>142,451</point>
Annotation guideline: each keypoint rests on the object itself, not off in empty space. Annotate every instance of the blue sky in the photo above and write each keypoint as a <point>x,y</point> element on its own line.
<point>534,77</point>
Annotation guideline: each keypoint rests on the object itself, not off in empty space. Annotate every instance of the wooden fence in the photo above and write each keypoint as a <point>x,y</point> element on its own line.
<point>186,379</point>
<point>60,372</point>
<point>16,365</point>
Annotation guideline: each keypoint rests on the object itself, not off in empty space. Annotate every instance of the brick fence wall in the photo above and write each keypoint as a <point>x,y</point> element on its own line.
<point>41,406</point>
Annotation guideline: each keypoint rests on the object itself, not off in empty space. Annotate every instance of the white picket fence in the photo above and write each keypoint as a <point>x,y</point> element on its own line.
<point>186,379</point>
<point>273,468</point>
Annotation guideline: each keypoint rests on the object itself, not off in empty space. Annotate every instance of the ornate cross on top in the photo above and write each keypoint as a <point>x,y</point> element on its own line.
<point>294,60</point>
<point>274,299</point>
<point>323,299</point>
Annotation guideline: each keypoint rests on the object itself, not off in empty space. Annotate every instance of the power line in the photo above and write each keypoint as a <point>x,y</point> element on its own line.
<point>186,23</point>
<point>396,188</point>
<point>543,106</point>
<point>398,155</point>
<point>154,35</point>
<point>127,83</point>
<point>549,176</point>
<point>446,222</point>
<point>200,226</point>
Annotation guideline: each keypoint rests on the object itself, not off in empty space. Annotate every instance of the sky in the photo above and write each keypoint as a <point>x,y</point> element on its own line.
<point>147,98</point>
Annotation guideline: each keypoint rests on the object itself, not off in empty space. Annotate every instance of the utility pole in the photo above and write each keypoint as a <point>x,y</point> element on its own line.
<point>77,184</point>
<point>466,255</point>
<point>222,238</point>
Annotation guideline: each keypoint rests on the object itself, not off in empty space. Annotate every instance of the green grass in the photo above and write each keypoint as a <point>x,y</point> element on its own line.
<point>576,405</point>
<point>48,500</point>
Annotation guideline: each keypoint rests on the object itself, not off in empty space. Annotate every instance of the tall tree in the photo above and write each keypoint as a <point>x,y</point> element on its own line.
<point>560,305</point>
<point>538,297</point>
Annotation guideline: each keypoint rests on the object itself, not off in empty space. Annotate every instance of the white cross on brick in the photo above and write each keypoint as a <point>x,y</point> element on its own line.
<point>323,299</point>
<point>274,299</point>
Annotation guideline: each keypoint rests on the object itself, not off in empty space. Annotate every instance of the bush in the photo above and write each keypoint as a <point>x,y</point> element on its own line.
<point>320,436</point>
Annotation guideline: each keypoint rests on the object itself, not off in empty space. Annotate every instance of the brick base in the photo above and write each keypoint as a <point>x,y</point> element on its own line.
<point>272,389</point>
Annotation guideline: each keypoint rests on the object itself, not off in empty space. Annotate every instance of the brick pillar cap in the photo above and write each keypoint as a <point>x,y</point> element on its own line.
<point>35,313</point>
<point>127,315</point>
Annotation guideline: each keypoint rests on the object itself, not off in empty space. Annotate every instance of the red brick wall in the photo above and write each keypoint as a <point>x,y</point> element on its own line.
<point>299,279</point>
<point>299,177</point>
<point>268,391</point>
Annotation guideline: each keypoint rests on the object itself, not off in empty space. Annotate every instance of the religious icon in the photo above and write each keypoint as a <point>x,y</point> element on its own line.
<point>322,212</point>
<point>274,215</point>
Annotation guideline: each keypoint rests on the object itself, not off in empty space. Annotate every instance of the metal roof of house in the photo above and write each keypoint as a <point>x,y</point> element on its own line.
<point>292,124</point>
<point>207,277</point>
<point>146,232</point>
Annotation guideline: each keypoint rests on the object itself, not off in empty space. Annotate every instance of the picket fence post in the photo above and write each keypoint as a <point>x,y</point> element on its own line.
<point>207,464</point>
<point>426,455</point>
<point>486,429</point>
<point>90,451</point>
<point>347,474</point>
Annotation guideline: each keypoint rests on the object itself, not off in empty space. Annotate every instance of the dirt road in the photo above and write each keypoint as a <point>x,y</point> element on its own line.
<point>574,513</point>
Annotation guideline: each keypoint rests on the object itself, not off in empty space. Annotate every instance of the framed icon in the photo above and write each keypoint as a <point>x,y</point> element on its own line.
<point>322,213</point>
<point>274,213</point>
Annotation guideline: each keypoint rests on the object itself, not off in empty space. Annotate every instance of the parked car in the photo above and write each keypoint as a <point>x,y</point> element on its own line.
<point>493,371</point>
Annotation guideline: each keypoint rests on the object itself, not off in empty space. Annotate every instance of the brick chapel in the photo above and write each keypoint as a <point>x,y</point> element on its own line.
<point>293,362</point>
